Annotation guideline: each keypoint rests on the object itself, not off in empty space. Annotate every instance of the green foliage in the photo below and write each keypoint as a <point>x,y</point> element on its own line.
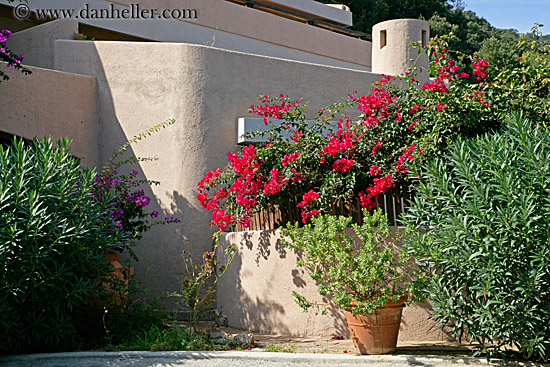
<point>365,269</point>
<point>535,47</point>
<point>284,348</point>
<point>482,219</point>
<point>367,13</point>
<point>82,37</point>
<point>53,237</point>
<point>525,87</point>
<point>123,326</point>
<point>199,281</point>
<point>501,49</point>
<point>165,338</point>
<point>470,30</point>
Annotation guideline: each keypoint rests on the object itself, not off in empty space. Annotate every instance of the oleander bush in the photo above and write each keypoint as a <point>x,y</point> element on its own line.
<point>53,237</point>
<point>483,233</point>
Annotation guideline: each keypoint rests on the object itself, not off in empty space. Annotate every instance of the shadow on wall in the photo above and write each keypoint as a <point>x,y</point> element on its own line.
<point>161,266</point>
<point>264,245</point>
<point>417,324</point>
<point>256,293</point>
<point>128,104</point>
<point>244,309</point>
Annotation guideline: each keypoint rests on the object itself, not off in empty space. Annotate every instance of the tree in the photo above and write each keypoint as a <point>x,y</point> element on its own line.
<point>444,16</point>
<point>501,49</point>
<point>367,13</point>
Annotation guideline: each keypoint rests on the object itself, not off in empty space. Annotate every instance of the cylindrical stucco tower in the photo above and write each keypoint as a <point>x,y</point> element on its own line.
<point>392,53</point>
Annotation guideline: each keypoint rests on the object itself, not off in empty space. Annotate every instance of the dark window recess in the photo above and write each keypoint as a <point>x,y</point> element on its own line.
<point>424,38</point>
<point>383,36</point>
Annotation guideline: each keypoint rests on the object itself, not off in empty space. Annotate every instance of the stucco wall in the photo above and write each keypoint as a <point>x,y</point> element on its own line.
<point>230,26</point>
<point>54,103</point>
<point>205,90</point>
<point>37,44</point>
<point>256,294</point>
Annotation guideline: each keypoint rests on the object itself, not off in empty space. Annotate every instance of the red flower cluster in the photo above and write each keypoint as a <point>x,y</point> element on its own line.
<point>307,197</point>
<point>272,110</point>
<point>244,188</point>
<point>274,184</point>
<point>380,186</point>
<point>480,67</point>
<point>308,215</point>
<point>342,142</point>
<point>374,170</point>
<point>407,156</point>
<point>342,165</point>
<point>376,147</point>
<point>436,86</point>
<point>289,158</point>
<point>375,106</point>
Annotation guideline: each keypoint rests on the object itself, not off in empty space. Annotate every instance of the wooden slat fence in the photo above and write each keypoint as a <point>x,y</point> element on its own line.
<point>393,202</point>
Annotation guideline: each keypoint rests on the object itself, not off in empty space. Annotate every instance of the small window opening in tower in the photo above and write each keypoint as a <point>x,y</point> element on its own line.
<point>424,37</point>
<point>382,38</point>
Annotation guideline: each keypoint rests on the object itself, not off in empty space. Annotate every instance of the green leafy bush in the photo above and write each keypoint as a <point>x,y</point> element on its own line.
<point>483,236</point>
<point>53,237</point>
<point>365,269</point>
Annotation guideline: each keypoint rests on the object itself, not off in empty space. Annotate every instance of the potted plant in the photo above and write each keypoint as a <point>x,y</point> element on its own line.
<point>362,269</point>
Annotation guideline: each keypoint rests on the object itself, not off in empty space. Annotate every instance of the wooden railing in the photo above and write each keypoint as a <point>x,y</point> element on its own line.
<point>393,203</point>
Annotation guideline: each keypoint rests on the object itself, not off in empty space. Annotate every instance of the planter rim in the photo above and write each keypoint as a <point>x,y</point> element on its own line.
<point>400,303</point>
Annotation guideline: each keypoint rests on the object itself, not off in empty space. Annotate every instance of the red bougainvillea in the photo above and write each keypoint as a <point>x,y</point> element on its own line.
<point>340,156</point>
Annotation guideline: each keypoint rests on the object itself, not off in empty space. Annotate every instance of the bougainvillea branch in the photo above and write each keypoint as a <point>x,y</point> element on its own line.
<point>13,60</point>
<point>128,210</point>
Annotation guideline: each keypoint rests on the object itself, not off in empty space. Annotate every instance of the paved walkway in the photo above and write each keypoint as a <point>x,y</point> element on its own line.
<point>239,359</point>
<point>327,345</point>
<point>314,351</point>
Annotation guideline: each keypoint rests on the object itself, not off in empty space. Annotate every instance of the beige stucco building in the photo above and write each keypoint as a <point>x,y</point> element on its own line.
<point>204,71</point>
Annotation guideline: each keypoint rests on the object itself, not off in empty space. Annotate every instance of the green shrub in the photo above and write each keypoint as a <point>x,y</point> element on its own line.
<point>139,317</point>
<point>483,235</point>
<point>361,271</point>
<point>163,338</point>
<point>53,236</point>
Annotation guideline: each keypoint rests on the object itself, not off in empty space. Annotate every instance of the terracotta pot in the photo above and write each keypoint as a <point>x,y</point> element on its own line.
<point>117,283</point>
<point>376,333</point>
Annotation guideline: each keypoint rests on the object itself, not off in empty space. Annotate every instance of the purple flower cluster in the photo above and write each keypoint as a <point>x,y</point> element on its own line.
<point>5,54</point>
<point>4,35</point>
<point>127,210</point>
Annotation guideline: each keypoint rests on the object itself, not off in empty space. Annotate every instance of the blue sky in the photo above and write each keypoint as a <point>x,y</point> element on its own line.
<point>517,14</point>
